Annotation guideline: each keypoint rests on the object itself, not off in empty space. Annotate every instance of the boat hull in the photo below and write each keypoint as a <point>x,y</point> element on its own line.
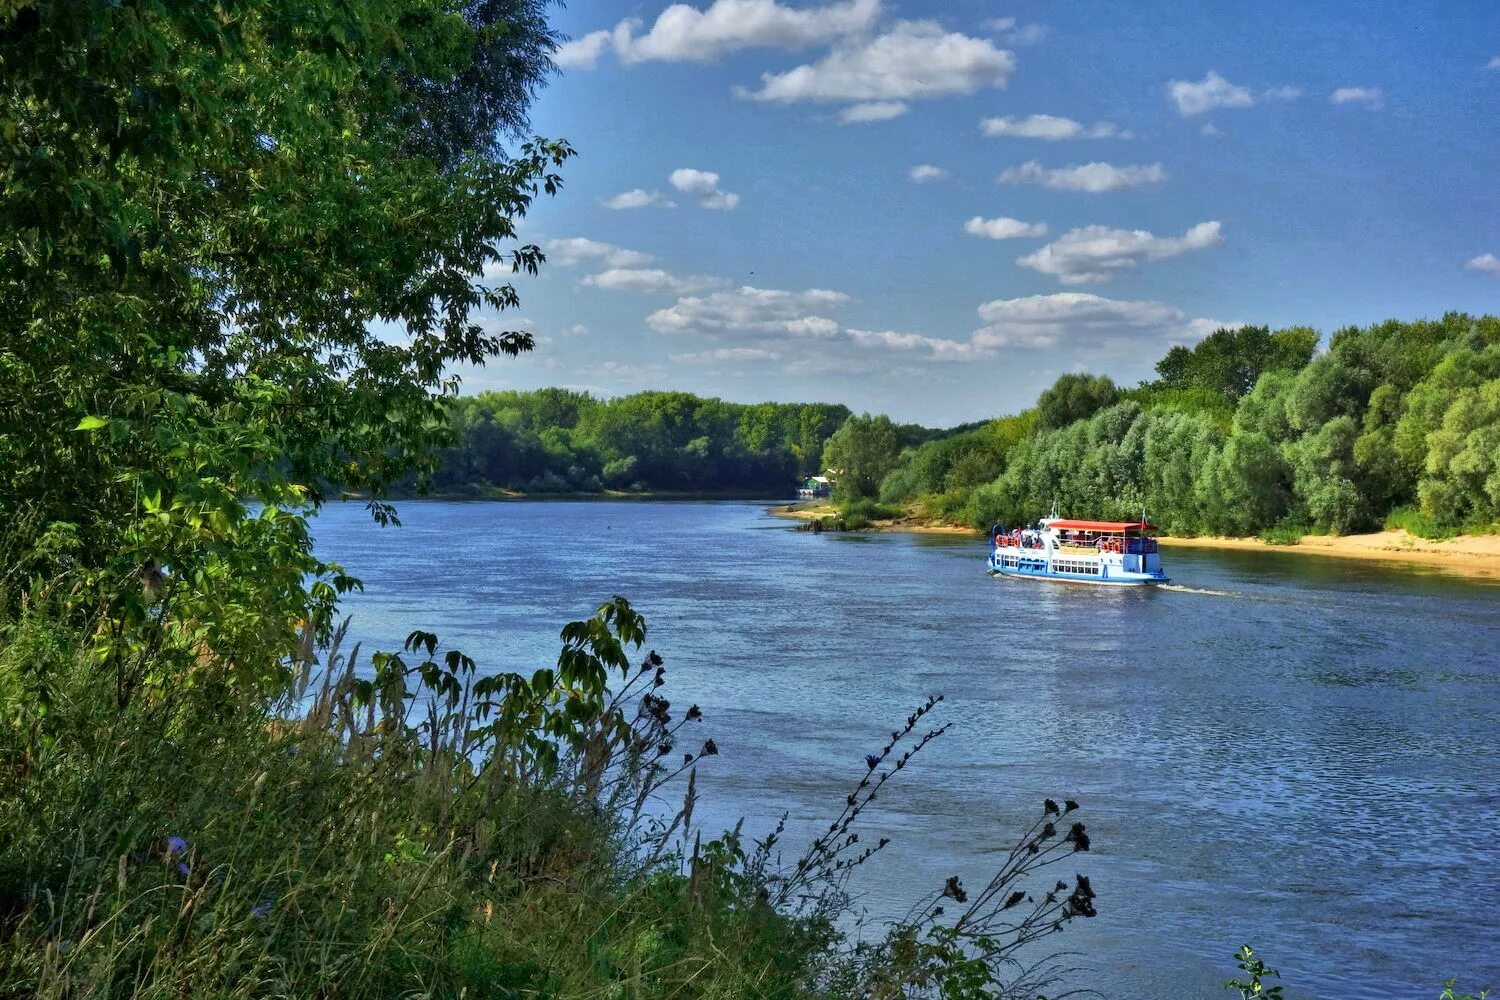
<point>1117,578</point>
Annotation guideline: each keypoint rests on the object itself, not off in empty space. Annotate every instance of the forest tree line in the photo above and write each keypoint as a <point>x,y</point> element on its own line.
<point>1249,431</point>
<point>561,441</point>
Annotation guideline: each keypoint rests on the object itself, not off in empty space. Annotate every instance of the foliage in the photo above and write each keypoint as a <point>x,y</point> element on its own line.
<point>555,440</point>
<point>1283,534</point>
<point>234,272</point>
<point>861,513</point>
<point>1253,986</point>
<point>862,452</point>
<point>1230,361</point>
<point>1247,433</point>
<point>958,463</point>
<point>408,826</point>
<point>1074,397</point>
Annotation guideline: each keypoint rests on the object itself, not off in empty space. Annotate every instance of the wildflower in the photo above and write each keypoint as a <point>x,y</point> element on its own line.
<point>178,847</point>
<point>1078,838</point>
<point>1049,807</point>
<point>710,748</point>
<point>653,658</point>
<point>261,910</point>
<point>953,887</point>
<point>872,761</point>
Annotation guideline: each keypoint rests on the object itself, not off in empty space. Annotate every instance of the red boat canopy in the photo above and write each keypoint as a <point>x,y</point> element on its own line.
<point>1109,526</point>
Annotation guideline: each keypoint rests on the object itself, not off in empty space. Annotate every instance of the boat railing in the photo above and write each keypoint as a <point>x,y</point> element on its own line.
<point>1129,546</point>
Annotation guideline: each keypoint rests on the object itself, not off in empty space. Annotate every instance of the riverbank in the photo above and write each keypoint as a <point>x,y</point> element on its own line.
<point>911,523</point>
<point>487,493</point>
<point>1473,556</point>
<point>1476,556</point>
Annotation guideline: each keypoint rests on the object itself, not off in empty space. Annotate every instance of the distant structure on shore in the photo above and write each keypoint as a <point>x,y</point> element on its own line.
<point>814,487</point>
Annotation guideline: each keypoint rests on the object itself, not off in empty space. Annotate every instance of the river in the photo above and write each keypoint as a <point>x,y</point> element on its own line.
<point>1302,754</point>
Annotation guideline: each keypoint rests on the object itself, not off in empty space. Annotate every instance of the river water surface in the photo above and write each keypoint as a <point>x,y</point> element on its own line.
<point>1306,758</point>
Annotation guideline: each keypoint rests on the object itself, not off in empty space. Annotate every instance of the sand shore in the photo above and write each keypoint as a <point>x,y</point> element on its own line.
<point>1464,555</point>
<point>1475,556</point>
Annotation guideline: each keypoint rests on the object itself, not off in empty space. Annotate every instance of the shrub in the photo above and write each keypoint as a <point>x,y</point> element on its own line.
<point>1417,522</point>
<point>1284,534</point>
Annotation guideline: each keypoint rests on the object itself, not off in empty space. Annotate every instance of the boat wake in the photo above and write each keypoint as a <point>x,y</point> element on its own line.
<point>1178,589</point>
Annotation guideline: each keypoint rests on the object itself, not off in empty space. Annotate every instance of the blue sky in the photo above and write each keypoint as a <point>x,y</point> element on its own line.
<point>1103,180</point>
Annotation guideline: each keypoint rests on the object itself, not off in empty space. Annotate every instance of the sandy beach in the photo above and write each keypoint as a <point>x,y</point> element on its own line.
<point>1464,555</point>
<point>1476,556</point>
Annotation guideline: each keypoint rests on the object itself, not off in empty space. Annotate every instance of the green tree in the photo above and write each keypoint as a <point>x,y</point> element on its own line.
<point>241,245</point>
<point>1231,361</point>
<point>863,451</point>
<point>1074,397</point>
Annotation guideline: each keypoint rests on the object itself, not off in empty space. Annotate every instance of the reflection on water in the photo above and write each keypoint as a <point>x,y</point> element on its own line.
<point>1294,752</point>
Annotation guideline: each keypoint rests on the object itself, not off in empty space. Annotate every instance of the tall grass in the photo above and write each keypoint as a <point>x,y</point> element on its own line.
<point>403,826</point>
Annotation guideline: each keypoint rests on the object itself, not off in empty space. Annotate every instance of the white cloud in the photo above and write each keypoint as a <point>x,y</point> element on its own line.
<point>727,354</point>
<point>1013,33</point>
<point>683,33</point>
<point>650,281</point>
<point>1094,178</point>
<point>640,198</point>
<point>704,185</point>
<point>1076,320</point>
<point>924,172</point>
<point>1213,91</point>
<point>936,348</point>
<point>1052,128</point>
<point>872,111</point>
<point>626,369</point>
<point>1098,253</point>
<point>912,60</point>
<point>1494,63</point>
<point>582,53</point>
<point>1003,228</point>
<point>1370,97</point>
<point>1209,128</point>
<point>752,310</point>
<point>577,249</point>
<point>1281,93</point>
<point>1488,263</point>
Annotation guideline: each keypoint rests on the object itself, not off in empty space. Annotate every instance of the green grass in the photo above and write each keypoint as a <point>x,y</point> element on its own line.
<point>413,829</point>
<point>1284,534</point>
<point>862,512</point>
<point>1413,520</point>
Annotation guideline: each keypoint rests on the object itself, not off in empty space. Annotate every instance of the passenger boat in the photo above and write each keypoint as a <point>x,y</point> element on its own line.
<point>1113,553</point>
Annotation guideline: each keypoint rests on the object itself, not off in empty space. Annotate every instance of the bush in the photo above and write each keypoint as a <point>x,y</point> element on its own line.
<point>1284,534</point>
<point>1413,520</point>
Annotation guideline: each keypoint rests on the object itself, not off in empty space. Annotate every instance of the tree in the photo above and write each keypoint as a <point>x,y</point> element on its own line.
<point>1231,361</point>
<point>241,245</point>
<point>862,451</point>
<point>1074,397</point>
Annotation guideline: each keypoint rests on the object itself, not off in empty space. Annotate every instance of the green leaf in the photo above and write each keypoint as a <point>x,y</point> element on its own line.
<point>92,423</point>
